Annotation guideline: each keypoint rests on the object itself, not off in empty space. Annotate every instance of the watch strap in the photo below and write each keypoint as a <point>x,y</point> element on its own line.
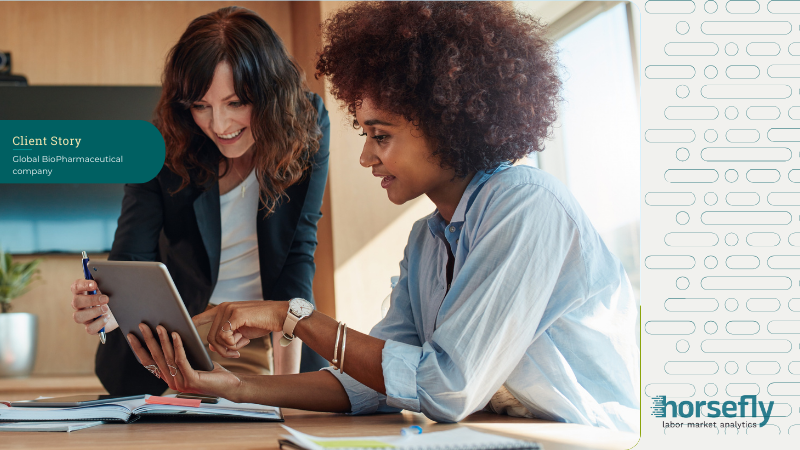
<point>293,317</point>
<point>288,328</point>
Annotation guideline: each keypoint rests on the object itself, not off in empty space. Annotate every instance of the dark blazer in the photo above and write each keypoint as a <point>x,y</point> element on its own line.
<point>184,232</point>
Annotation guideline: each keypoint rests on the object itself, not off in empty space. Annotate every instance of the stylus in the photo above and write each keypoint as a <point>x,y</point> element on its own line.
<point>88,276</point>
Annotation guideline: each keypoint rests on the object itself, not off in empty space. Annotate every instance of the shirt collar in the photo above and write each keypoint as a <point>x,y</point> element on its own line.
<point>437,224</point>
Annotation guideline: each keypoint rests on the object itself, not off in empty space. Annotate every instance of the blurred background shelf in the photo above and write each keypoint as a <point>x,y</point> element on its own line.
<point>49,386</point>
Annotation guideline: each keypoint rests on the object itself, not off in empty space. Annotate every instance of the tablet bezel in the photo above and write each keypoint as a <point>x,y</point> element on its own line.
<point>143,292</point>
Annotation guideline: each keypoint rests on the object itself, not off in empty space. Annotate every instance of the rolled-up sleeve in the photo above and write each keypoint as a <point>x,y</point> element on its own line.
<point>401,361</point>
<point>363,400</point>
<point>398,325</point>
<point>493,310</point>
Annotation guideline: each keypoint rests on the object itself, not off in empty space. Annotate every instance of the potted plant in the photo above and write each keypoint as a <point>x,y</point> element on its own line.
<point>18,331</point>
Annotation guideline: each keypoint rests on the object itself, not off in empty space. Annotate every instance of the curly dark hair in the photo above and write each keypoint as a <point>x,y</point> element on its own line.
<point>284,122</point>
<point>478,78</point>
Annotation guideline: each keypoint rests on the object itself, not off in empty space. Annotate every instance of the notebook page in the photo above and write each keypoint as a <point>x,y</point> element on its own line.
<point>458,438</point>
<point>224,406</point>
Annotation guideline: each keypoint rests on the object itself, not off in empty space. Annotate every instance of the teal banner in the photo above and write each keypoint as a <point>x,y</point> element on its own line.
<point>79,151</point>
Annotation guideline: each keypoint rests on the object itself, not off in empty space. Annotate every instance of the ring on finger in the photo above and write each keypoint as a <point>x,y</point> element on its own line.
<point>172,369</point>
<point>154,370</point>
<point>230,325</point>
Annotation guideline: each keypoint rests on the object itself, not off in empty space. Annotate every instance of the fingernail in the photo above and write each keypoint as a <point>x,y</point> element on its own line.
<point>104,308</point>
<point>128,337</point>
<point>105,319</point>
<point>91,285</point>
<point>104,298</point>
<point>174,335</point>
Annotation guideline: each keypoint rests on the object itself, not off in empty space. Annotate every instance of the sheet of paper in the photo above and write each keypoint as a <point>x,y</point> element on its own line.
<point>48,426</point>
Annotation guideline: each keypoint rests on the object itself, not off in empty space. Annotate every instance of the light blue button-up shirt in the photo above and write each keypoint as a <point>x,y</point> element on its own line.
<point>537,303</point>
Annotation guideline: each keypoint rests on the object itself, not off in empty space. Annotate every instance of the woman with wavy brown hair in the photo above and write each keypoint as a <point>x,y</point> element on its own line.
<point>233,213</point>
<point>508,300</point>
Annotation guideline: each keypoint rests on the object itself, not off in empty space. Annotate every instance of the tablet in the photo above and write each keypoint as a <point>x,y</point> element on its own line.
<point>143,292</point>
<point>74,401</point>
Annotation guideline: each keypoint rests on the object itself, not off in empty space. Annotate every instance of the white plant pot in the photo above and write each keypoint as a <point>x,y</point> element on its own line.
<point>18,336</point>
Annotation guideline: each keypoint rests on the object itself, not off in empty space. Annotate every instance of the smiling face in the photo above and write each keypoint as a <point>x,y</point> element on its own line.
<point>399,154</point>
<point>222,116</point>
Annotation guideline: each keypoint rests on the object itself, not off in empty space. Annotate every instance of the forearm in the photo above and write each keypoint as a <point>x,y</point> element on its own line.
<point>362,353</point>
<point>286,359</point>
<point>313,391</point>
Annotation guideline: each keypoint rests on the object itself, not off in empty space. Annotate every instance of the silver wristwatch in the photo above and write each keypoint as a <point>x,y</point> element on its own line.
<point>298,309</point>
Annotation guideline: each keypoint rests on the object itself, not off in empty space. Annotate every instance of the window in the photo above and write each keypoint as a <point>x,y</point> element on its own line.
<point>595,145</point>
<point>600,131</point>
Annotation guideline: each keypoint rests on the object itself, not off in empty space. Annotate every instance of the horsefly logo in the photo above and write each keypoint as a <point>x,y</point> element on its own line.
<point>747,406</point>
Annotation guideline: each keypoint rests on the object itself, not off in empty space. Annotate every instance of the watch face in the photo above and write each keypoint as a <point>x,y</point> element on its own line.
<point>301,307</point>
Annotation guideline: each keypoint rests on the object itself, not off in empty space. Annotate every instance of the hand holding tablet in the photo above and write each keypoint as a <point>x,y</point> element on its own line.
<point>159,330</point>
<point>91,310</point>
<point>166,352</point>
<point>142,292</point>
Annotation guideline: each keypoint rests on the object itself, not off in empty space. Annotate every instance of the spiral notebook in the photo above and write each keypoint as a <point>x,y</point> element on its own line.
<point>461,438</point>
<point>131,410</point>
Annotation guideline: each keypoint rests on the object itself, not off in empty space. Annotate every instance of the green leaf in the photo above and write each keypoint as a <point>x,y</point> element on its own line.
<point>15,278</point>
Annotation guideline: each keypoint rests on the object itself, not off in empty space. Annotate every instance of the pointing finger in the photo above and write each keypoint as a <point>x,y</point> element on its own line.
<point>204,317</point>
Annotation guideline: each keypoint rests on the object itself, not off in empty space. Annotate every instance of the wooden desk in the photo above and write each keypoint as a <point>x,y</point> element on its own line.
<point>264,435</point>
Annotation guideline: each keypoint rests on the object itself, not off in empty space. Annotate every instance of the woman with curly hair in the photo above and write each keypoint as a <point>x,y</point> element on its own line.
<point>233,213</point>
<point>508,300</point>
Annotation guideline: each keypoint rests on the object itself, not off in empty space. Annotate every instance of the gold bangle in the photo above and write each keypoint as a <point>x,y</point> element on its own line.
<point>344,342</point>
<point>335,361</point>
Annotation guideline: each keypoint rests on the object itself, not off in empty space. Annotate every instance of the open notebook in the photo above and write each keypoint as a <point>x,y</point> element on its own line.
<point>461,438</point>
<point>129,411</point>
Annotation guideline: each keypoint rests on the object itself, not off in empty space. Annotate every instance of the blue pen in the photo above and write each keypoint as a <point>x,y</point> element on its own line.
<point>88,276</point>
<point>412,430</point>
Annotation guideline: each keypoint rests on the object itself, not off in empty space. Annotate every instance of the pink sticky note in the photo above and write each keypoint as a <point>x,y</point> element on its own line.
<point>156,400</point>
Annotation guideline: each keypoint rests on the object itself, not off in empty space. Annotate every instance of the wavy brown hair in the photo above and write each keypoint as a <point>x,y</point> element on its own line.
<point>284,122</point>
<point>478,78</point>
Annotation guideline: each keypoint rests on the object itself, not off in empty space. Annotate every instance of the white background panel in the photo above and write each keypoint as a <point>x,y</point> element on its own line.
<point>743,292</point>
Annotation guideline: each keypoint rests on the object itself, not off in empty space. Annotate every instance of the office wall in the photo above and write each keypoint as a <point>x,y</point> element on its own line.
<point>306,41</point>
<point>125,43</point>
<point>116,43</point>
